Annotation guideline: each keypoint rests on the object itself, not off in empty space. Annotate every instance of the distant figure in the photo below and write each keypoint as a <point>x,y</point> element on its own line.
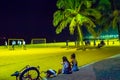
<point>13,44</point>
<point>24,45</point>
<point>6,44</point>
<point>113,42</point>
<point>19,43</point>
<point>101,44</point>
<point>87,42</point>
<point>74,63</point>
<point>67,43</point>
<point>94,43</point>
<point>66,69</point>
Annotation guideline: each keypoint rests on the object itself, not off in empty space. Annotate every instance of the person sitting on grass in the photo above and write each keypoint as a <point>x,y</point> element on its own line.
<point>74,63</point>
<point>50,73</point>
<point>66,66</point>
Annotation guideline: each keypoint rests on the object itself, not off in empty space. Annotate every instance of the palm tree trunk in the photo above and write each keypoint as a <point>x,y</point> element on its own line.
<point>80,36</point>
<point>118,30</point>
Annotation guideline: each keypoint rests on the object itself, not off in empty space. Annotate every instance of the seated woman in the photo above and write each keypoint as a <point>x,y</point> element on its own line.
<point>74,63</point>
<point>66,66</point>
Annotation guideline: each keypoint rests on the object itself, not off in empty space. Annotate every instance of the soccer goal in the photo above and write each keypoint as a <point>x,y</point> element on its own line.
<point>38,41</point>
<point>15,43</point>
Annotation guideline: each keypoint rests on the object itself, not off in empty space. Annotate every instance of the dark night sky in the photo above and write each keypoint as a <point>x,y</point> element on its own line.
<point>28,19</point>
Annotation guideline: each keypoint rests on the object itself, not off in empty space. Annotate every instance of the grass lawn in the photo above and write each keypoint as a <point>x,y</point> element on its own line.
<point>46,58</point>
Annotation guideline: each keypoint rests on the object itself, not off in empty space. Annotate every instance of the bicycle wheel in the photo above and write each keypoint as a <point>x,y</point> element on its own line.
<point>31,73</point>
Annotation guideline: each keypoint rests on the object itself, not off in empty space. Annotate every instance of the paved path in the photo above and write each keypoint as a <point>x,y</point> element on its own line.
<point>108,69</point>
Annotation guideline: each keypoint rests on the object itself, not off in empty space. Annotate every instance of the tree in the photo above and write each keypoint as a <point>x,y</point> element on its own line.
<point>116,15</point>
<point>74,14</point>
<point>110,14</point>
<point>105,8</point>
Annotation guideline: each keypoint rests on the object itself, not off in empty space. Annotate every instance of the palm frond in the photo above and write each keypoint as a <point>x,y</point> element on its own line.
<point>62,25</point>
<point>90,25</point>
<point>115,13</point>
<point>82,20</point>
<point>65,4</point>
<point>72,26</point>
<point>104,4</point>
<point>69,13</point>
<point>87,3</point>
<point>105,22</point>
<point>76,4</point>
<point>114,22</point>
<point>116,18</point>
<point>92,12</point>
<point>57,17</point>
<point>92,31</point>
<point>79,18</point>
<point>60,4</point>
<point>88,22</point>
<point>69,4</point>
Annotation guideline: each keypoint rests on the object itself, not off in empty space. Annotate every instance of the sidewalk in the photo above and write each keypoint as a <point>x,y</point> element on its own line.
<point>108,69</point>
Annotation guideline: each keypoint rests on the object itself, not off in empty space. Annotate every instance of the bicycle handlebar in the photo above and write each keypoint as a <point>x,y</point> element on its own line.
<point>16,74</point>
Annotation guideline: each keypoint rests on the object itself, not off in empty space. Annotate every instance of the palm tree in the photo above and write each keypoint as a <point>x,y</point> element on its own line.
<point>116,15</point>
<point>110,14</point>
<point>105,8</point>
<point>74,14</point>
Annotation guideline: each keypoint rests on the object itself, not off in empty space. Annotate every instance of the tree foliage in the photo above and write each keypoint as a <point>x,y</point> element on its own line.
<point>110,14</point>
<point>74,14</point>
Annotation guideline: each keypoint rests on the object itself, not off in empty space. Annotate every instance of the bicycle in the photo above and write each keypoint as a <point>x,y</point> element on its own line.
<point>28,73</point>
<point>33,73</point>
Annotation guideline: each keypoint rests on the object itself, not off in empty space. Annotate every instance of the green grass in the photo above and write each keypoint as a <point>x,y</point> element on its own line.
<point>48,57</point>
